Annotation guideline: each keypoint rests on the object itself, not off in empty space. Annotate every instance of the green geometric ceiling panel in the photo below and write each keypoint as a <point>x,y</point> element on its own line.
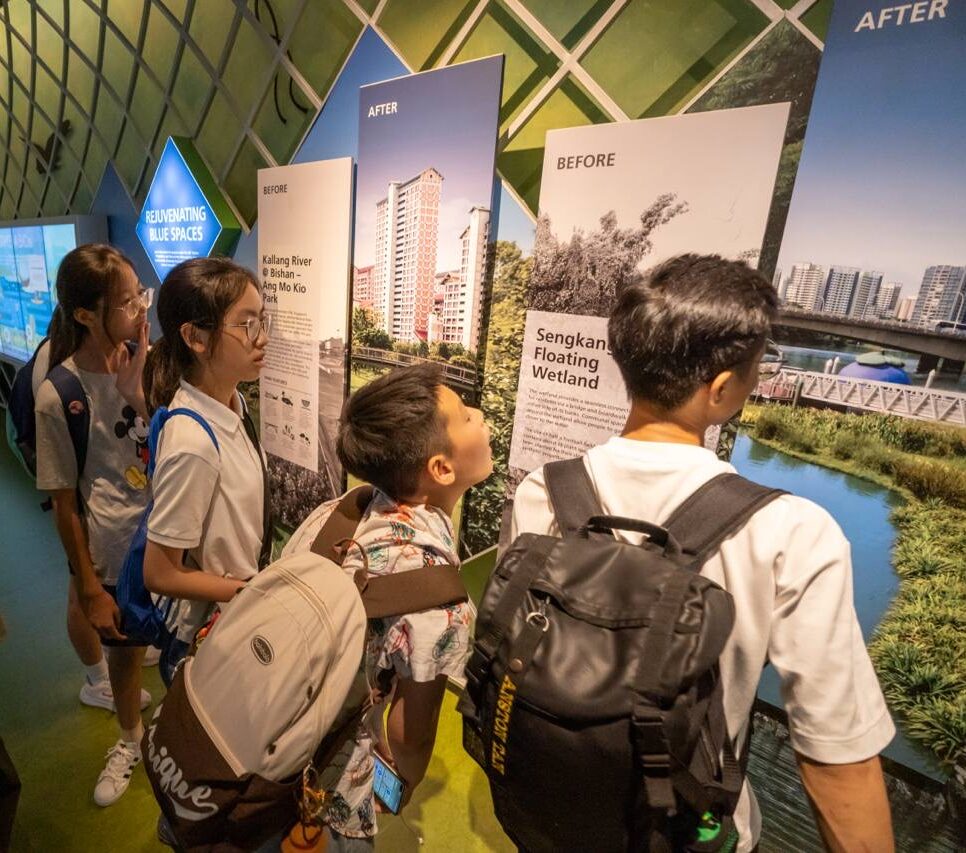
<point>528,64</point>
<point>421,37</point>
<point>568,22</point>
<point>92,80</point>
<point>321,59</point>
<point>816,18</point>
<point>655,55</point>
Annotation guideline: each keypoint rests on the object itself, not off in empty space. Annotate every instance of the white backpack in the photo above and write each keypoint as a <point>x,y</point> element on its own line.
<point>277,685</point>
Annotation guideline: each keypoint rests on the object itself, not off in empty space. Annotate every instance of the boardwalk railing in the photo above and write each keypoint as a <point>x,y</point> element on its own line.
<point>907,401</point>
<point>463,376</point>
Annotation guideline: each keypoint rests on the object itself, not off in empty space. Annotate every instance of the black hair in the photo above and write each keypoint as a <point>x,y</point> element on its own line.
<point>391,427</point>
<point>85,279</point>
<point>684,322</point>
<point>199,291</point>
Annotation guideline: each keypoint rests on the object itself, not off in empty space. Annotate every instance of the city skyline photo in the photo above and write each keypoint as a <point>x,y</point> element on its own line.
<point>427,147</point>
<point>883,151</point>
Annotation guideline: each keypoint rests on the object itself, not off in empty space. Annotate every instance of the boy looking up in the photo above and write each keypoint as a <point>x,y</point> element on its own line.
<point>688,339</point>
<point>413,439</point>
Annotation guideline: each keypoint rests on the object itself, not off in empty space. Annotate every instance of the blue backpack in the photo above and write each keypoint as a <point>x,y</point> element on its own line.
<point>143,615</point>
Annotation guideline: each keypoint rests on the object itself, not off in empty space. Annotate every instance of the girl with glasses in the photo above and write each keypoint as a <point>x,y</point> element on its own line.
<point>209,530</point>
<point>98,500</point>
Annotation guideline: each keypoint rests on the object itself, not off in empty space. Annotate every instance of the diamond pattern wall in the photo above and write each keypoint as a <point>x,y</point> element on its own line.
<point>87,81</point>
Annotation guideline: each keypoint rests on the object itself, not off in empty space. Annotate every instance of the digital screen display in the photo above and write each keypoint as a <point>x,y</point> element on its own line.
<point>29,258</point>
<point>387,786</point>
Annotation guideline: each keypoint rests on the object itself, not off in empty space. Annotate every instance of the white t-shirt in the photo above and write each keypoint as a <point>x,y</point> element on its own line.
<point>113,486</point>
<point>207,502</point>
<point>789,570</point>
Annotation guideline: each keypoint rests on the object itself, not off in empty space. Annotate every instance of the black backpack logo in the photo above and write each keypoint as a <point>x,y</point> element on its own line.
<point>593,698</point>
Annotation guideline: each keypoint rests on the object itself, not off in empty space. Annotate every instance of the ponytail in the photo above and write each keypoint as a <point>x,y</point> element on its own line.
<point>65,335</point>
<point>163,369</point>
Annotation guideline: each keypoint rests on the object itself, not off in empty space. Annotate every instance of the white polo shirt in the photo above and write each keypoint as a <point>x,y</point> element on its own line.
<point>207,502</point>
<point>789,570</point>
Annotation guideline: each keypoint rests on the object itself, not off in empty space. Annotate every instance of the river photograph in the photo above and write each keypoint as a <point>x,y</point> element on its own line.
<point>897,488</point>
<point>815,358</point>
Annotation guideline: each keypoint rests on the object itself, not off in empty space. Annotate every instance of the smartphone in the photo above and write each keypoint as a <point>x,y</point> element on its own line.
<point>388,786</point>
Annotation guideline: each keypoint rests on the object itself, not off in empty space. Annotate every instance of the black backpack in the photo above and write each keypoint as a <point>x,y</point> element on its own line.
<point>593,699</point>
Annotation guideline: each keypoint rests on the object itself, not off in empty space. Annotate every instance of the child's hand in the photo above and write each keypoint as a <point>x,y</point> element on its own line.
<point>102,612</point>
<point>129,370</point>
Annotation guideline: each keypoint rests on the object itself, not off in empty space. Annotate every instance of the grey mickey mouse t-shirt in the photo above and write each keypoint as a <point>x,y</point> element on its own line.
<point>113,485</point>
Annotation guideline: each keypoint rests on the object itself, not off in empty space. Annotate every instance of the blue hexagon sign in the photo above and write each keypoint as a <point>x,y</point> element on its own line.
<point>184,215</point>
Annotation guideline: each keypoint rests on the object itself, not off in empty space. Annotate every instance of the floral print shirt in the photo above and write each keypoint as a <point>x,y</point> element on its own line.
<point>397,537</point>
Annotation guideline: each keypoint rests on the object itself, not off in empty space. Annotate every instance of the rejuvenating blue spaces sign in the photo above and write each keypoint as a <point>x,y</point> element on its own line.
<point>184,215</point>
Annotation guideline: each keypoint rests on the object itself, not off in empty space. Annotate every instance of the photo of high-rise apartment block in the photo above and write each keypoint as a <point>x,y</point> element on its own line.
<point>404,267</point>
<point>402,284</point>
<point>362,285</point>
<point>942,297</point>
<point>463,297</point>
<point>427,146</point>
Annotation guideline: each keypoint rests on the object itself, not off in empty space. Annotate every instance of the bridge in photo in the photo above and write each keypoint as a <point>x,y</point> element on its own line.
<point>948,345</point>
<point>462,377</point>
<point>887,398</point>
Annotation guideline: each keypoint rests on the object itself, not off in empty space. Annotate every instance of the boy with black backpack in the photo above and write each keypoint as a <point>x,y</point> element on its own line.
<point>649,657</point>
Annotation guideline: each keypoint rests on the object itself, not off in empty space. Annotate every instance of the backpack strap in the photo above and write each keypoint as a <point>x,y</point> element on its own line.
<point>161,417</point>
<point>719,508</point>
<point>386,595</point>
<point>410,592</point>
<point>265,556</point>
<point>716,510</point>
<point>572,494</point>
<point>77,412</point>
<point>342,523</point>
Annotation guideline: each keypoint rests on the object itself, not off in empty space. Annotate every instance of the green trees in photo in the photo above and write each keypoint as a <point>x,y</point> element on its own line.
<point>366,331</point>
<point>484,505</point>
<point>582,274</point>
<point>919,647</point>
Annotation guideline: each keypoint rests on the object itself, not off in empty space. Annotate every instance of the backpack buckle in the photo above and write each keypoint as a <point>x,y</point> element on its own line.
<point>651,741</point>
<point>652,762</point>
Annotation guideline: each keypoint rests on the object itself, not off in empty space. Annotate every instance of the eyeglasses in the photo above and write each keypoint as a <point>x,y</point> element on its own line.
<point>772,361</point>
<point>133,306</point>
<point>254,326</point>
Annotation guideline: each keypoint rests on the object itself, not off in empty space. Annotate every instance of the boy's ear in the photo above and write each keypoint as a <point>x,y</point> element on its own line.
<point>440,470</point>
<point>720,386</point>
<point>196,339</point>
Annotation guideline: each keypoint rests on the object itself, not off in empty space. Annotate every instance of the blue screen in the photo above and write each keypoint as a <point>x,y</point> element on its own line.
<point>29,258</point>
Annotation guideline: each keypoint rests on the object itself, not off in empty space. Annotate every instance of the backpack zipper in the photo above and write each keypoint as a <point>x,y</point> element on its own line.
<point>319,606</point>
<point>315,602</point>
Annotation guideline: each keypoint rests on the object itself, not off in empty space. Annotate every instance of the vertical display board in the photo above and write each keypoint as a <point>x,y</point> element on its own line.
<point>427,145</point>
<point>615,199</point>
<point>867,415</point>
<point>304,233</point>
<point>30,254</point>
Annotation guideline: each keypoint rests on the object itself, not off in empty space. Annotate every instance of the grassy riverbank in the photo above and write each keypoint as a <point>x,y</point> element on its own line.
<point>919,647</point>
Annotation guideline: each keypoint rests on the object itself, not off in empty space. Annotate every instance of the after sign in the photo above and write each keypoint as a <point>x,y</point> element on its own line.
<point>184,215</point>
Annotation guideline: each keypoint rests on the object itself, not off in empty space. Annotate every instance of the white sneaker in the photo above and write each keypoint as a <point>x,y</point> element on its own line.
<point>152,656</point>
<point>122,758</point>
<point>100,695</point>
